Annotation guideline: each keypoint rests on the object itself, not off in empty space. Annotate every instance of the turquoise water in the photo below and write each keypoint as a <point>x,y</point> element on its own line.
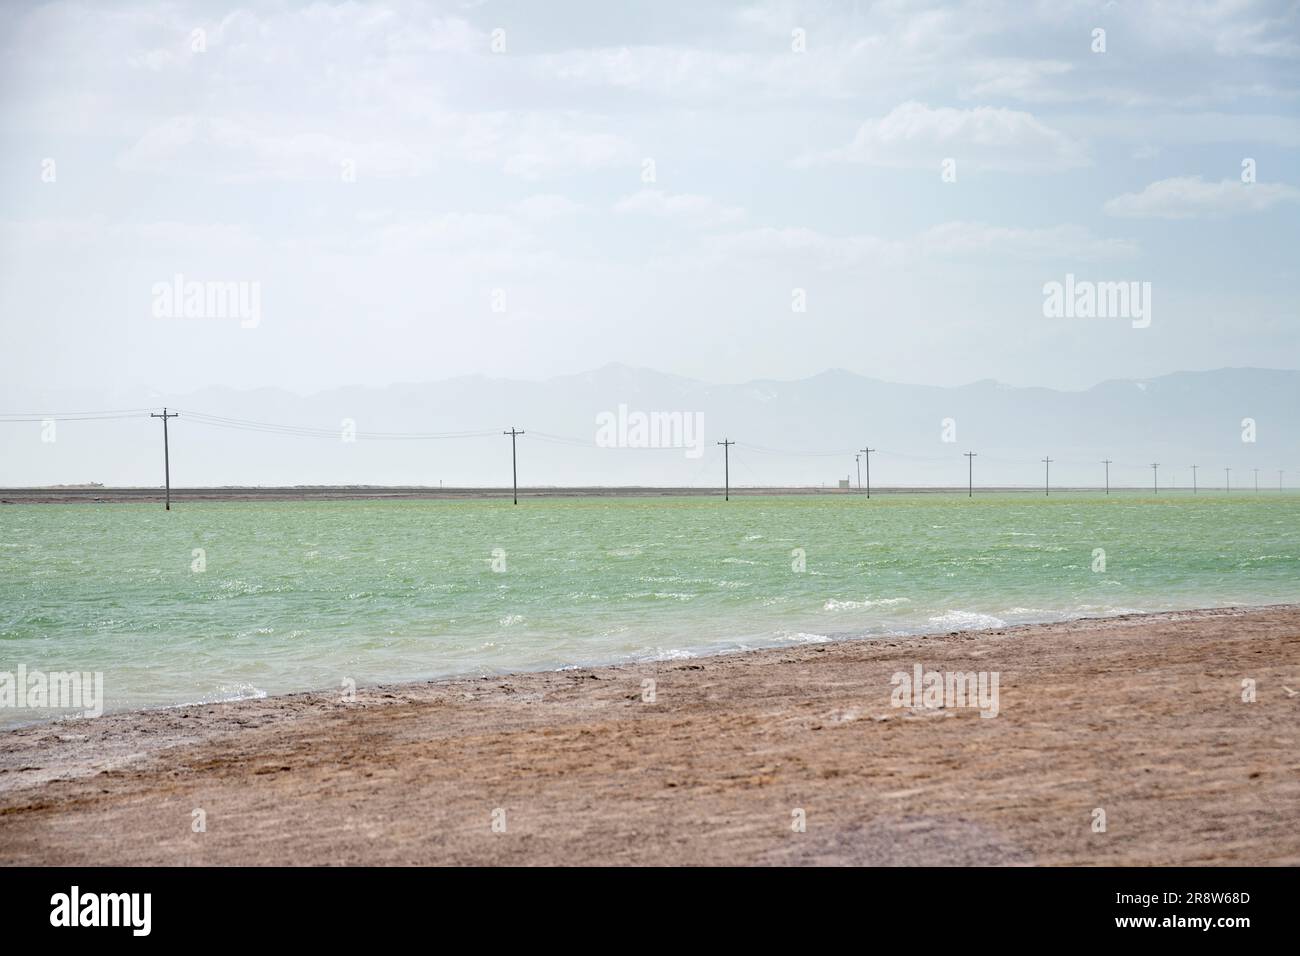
<point>303,595</point>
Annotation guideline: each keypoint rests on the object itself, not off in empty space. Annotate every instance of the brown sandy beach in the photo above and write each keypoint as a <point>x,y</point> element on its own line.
<point>1141,716</point>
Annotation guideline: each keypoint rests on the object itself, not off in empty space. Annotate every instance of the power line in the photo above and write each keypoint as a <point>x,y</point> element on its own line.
<point>74,416</point>
<point>313,431</point>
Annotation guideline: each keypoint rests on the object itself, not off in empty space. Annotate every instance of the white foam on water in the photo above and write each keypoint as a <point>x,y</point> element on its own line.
<point>966,621</point>
<point>834,605</point>
<point>809,638</point>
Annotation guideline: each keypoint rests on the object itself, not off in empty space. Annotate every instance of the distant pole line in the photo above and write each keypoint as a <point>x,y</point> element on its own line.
<point>514,462</point>
<point>167,463</point>
<point>862,456</point>
<point>726,444</point>
<point>867,452</point>
<point>1047,477</point>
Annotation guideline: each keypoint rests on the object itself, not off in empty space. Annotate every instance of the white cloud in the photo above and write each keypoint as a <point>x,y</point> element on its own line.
<point>804,248</point>
<point>1027,80</point>
<point>538,146</point>
<point>1063,242</point>
<point>230,151</point>
<point>1191,197</point>
<point>529,146</point>
<point>696,210</point>
<point>915,136</point>
<point>798,248</point>
<point>546,206</point>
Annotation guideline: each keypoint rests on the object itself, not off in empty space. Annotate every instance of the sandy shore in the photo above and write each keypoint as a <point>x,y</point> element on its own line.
<point>1141,716</point>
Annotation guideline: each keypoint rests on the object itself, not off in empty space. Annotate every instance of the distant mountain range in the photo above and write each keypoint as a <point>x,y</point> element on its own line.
<point>587,429</point>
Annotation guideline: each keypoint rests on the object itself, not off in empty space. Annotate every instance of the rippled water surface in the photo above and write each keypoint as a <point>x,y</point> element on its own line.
<point>302,595</point>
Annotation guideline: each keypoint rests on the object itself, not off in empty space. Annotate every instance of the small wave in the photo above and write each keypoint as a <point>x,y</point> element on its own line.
<point>834,605</point>
<point>240,691</point>
<point>966,621</point>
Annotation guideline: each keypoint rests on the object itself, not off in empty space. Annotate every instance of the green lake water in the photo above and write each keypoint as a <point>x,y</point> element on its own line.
<point>303,595</point>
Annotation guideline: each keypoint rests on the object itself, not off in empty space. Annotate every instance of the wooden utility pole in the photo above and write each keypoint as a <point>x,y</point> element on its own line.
<point>726,467</point>
<point>1256,481</point>
<point>514,465</point>
<point>167,464</point>
<point>1227,481</point>
<point>1155,483</point>
<point>1047,477</point>
<point>970,473</point>
<point>857,460</point>
<point>1106,462</point>
<point>867,452</point>
<point>1194,479</point>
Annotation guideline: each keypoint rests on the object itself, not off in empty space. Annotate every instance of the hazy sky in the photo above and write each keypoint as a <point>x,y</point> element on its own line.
<point>424,190</point>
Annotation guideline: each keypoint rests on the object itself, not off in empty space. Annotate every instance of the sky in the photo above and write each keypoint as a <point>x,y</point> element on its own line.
<point>406,192</point>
